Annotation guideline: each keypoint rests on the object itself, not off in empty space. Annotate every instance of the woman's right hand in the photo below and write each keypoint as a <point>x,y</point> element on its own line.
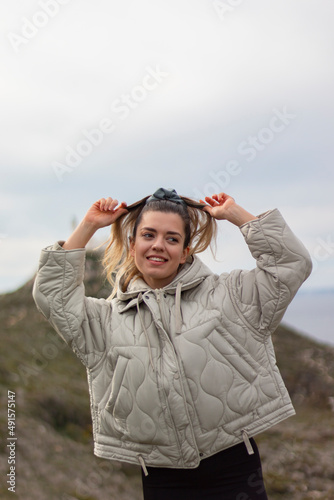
<point>105,212</point>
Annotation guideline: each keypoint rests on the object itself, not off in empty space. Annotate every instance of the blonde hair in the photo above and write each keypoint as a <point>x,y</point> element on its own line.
<point>200,233</point>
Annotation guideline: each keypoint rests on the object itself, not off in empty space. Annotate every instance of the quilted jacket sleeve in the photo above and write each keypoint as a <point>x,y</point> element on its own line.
<point>262,295</point>
<point>59,295</point>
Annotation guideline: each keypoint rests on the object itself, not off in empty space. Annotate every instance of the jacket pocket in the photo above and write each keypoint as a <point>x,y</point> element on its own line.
<point>133,411</point>
<point>116,385</point>
<point>236,355</point>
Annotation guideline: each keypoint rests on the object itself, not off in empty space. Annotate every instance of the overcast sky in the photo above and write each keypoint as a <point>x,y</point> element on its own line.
<point>111,98</point>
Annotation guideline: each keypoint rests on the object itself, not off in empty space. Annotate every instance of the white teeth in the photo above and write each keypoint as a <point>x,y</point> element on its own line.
<point>157,259</point>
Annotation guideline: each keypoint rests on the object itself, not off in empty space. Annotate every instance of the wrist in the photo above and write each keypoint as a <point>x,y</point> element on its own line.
<point>80,236</point>
<point>238,215</point>
<point>88,227</point>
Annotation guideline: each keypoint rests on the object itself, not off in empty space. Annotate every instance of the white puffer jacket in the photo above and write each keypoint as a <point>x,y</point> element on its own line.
<point>180,373</point>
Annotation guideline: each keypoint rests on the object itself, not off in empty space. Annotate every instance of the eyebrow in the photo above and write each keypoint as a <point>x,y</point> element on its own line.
<point>155,231</point>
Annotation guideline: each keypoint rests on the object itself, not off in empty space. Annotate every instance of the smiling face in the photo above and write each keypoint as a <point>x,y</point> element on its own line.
<point>158,248</point>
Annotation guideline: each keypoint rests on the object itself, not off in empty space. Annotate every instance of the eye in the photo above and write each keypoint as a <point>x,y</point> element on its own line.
<point>147,235</point>
<point>174,240</point>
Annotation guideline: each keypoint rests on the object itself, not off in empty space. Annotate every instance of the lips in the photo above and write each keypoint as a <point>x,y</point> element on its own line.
<point>156,258</point>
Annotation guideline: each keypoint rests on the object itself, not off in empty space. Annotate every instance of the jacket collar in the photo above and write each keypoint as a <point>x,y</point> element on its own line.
<point>191,274</point>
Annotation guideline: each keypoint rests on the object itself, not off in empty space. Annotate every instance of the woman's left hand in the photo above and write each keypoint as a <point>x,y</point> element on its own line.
<point>222,206</point>
<point>219,205</point>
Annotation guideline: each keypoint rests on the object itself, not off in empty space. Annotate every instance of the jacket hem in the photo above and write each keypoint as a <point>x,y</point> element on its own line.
<point>237,436</point>
<point>274,419</point>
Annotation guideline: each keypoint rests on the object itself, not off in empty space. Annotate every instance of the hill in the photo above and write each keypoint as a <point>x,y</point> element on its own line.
<point>301,314</point>
<point>54,450</point>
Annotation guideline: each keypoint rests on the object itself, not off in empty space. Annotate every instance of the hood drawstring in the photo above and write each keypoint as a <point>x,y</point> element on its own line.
<point>145,332</point>
<point>178,317</point>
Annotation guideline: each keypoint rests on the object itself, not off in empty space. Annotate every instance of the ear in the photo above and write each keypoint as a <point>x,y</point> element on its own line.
<point>184,255</point>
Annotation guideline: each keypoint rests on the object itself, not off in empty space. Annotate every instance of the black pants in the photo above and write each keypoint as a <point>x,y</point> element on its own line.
<point>231,474</point>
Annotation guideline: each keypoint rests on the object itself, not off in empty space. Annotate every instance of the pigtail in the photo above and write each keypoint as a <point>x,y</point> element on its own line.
<point>117,260</point>
<point>203,227</point>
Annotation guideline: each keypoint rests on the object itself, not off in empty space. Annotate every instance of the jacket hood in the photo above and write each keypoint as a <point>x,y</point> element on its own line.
<point>191,273</point>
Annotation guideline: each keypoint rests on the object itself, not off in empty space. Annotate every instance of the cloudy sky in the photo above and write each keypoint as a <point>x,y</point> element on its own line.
<point>112,98</point>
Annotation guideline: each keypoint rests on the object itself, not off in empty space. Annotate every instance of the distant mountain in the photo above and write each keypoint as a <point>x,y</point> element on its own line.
<point>317,291</point>
<point>312,312</point>
<point>55,451</point>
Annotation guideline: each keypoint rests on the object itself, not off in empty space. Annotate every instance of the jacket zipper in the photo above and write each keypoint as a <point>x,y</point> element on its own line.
<point>165,331</point>
<point>162,309</point>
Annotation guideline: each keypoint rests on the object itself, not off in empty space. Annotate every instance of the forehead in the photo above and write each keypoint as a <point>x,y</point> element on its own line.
<point>162,221</point>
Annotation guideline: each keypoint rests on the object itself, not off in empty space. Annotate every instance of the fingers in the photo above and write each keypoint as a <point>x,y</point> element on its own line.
<point>110,204</point>
<point>219,197</point>
<point>216,199</point>
<point>212,200</point>
<point>209,202</point>
<point>209,198</point>
<point>107,204</point>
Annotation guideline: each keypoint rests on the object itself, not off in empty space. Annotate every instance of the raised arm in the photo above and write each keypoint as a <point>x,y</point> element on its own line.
<point>59,292</point>
<point>101,214</point>
<point>261,295</point>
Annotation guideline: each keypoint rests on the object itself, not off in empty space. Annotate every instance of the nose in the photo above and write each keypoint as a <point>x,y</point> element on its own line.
<point>158,244</point>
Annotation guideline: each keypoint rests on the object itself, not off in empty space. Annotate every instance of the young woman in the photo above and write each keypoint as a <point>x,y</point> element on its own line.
<point>180,363</point>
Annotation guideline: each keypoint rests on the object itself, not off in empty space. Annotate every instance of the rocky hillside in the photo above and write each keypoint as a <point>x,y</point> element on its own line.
<point>53,453</point>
